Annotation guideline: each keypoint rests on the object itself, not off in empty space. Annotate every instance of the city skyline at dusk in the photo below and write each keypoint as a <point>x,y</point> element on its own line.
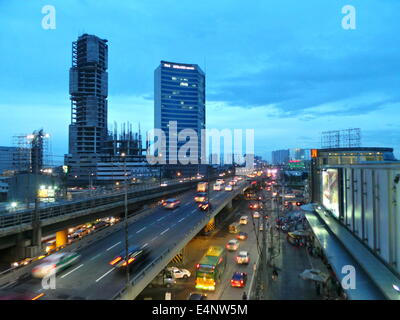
<point>280,92</point>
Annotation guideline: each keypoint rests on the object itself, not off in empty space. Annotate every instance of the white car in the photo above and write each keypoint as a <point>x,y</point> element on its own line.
<point>179,273</point>
<point>228,188</point>
<point>55,263</point>
<point>217,187</point>
<point>243,220</point>
<point>256,215</point>
<point>243,257</point>
<point>232,245</point>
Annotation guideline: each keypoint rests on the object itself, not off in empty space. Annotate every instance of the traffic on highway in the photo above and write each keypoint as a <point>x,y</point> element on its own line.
<point>93,273</point>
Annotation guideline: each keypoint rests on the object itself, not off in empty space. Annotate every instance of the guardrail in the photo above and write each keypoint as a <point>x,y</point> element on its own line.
<point>26,217</point>
<point>150,271</point>
<point>12,275</point>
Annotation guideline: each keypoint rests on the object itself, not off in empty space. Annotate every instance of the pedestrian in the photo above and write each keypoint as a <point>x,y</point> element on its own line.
<point>274,274</point>
<point>244,296</point>
<point>317,288</point>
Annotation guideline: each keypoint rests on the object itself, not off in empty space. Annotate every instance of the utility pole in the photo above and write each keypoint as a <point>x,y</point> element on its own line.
<point>208,190</point>
<point>36,227</point>
<point>126,222</point>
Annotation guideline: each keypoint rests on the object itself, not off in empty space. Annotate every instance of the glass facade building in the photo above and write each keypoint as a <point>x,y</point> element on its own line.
<point>179,95</point>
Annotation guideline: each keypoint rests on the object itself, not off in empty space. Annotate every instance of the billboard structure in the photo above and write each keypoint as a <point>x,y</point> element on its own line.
<point>348,138</point>
<point>330,190</point>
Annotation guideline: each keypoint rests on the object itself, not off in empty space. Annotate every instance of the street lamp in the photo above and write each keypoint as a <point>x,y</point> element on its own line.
<point>13,205</point>
<point>126,220</point>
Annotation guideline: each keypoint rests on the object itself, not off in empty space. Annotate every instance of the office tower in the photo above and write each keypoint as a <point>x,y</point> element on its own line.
<point>280,157</point>
<point>179,95</point>
<point>88,89</point>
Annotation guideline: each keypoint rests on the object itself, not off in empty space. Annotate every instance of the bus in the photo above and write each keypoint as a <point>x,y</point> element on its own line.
<point>210,268</point>
<point>234,227</point>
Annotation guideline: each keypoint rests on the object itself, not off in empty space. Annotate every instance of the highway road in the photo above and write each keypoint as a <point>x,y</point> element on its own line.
<point>93,278</point>
<point>199,245</point>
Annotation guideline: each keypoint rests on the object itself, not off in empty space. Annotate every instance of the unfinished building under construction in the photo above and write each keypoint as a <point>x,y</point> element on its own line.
<point>94,151</point>
<point>88,88</point>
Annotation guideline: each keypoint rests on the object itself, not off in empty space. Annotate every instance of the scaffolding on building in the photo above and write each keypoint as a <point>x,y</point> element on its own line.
<point>125,141</point>
<point>347,138</point>
<point>32,152</point>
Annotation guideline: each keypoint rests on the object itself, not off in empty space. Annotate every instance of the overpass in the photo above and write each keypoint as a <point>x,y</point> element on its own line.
<point>164,233</point>
<point>17,229</point>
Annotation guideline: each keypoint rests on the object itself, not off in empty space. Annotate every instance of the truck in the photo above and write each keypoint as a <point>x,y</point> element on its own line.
<point>202,187</point>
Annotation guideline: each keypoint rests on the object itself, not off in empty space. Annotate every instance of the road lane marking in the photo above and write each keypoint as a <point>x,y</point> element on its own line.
<point>96,256</point>
<point>113,246</point>
<point>63,276</point>
<point>182,219</point>
<point>112,269</point>
<point>141,230</point>
<point>160,218</point>
<point>144,246</point>
<point>153,239</point>
<point>193,211</point>
<point>164,231</point>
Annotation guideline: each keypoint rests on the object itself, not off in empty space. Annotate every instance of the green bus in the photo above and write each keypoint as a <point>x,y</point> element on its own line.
<point>210,268</point>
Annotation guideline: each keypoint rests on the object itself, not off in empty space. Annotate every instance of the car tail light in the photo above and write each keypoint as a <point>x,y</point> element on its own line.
<point>116,260</point>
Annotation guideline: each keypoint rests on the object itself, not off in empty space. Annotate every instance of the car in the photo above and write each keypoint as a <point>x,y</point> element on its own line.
<point>243,257</point>
<point>163,279</point>
<point>200,197</point>
<point>197,296</point>
<point>256,215</point>
<point>171,203</point>
<point>163,184</point>
<point>244,220</point>
<point>242,236</point>
<point>78,234</point>
<point>204,206</point>
<point>55,263</point>
<point>179,273</point>
<point>239,279</point>
<point>99,225</point>
<point>217,187</point>
<point>135,256</point>
<point>232,182</point>
<point>220,181</point>
<point>254,206</point>
<point>232,245</point>
<point>228,188</point>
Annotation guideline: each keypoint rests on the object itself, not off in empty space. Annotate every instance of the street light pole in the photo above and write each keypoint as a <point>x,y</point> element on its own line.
<point>126,221</point>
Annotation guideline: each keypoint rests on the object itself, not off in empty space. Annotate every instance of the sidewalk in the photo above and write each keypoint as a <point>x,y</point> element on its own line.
<point>290,263</point>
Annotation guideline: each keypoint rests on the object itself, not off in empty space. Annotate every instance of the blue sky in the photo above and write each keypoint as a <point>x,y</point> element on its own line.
<point>286,68</point>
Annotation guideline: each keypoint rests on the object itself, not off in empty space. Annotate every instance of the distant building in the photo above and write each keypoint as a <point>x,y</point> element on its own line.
<point>299,154</point>
<point>179,95</point>
<point>280,157</point>
<point>8,157</point>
